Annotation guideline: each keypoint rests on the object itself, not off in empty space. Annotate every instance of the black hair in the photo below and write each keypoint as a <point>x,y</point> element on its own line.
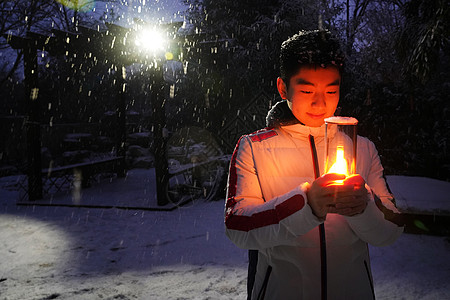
<point>316,48</point>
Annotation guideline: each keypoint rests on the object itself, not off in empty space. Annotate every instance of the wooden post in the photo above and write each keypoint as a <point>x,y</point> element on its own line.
<point>159,117</point>
<point>121,130</point>
<point>33,128</point>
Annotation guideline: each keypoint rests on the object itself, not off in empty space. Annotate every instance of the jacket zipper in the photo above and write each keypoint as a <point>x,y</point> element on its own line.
<point>323,243</point>
<point>370,278</point>
<point>262,292</point>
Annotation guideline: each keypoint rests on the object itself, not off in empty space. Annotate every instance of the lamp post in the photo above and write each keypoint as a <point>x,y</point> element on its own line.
<point>33,121</point>
<point>152,44</point>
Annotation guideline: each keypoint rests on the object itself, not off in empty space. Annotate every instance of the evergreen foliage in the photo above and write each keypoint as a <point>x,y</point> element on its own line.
<point>396,77</point>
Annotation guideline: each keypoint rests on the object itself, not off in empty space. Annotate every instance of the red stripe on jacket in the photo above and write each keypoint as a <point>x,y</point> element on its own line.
<point>260,219</point>
<point>264,218</point>
<point>263,134</point>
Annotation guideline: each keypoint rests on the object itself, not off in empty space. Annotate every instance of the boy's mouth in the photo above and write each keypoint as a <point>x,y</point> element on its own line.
<point>316,116</point>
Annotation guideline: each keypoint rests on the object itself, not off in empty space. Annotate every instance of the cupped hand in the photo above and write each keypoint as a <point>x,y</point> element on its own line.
<point>351,199</point>
<point>355,180</point>
<point>321,194</point>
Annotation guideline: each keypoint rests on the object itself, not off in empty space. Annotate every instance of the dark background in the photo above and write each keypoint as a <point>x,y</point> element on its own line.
<point>396,80</point>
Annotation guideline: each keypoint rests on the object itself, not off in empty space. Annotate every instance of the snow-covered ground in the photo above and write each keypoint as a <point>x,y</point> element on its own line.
<point>54,252</point>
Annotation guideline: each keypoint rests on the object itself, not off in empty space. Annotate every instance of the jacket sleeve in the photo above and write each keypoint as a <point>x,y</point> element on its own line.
<point>381,223</point>
<point>253,222</point>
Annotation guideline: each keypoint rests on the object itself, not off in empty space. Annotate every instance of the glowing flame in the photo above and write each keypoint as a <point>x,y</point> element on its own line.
<point>340,166</point>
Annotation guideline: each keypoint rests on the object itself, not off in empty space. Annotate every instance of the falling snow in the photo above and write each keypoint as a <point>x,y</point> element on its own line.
<point>106,252</point>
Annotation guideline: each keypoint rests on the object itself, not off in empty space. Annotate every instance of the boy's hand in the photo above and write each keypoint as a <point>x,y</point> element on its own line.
<point>321,195</point>
<point>351,197</point>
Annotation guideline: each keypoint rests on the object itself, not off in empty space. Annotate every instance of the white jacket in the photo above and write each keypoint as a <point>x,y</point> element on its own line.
<point>267,210</point>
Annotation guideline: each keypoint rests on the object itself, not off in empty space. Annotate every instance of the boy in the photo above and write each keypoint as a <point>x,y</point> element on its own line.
<point>311,238</point>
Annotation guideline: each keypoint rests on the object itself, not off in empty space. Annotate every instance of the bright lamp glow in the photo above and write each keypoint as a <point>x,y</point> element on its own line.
<point>150,40</point>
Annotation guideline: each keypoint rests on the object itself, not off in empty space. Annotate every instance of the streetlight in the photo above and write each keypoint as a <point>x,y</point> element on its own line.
<point>151,40</point>
<point>154,42</point>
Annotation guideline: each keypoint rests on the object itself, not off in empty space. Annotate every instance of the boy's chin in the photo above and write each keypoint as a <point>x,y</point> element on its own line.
<point>314,123</point>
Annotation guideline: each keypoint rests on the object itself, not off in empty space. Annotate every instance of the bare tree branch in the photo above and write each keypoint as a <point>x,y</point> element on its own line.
<point>13,69</point>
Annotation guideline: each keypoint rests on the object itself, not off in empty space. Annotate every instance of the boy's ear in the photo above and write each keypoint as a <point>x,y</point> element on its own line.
<point>282,89</point>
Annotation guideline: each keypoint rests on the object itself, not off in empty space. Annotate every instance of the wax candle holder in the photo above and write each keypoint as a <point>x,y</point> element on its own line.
<point>340,145</point>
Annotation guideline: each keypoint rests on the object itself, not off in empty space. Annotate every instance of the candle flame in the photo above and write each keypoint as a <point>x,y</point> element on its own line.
<point>340,166</point>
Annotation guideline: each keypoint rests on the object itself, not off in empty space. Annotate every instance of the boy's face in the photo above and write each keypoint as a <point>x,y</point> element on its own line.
<point>313,94</point>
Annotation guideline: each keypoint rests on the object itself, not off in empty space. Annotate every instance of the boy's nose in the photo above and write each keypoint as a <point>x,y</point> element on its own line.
<point>319,100</point>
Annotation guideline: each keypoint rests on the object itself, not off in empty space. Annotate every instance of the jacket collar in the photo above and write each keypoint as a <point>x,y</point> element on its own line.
<point>280,115</point>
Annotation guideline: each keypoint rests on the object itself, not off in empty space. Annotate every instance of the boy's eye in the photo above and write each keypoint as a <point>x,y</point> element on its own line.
<point>331,92</point>
<point>306,92</point>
